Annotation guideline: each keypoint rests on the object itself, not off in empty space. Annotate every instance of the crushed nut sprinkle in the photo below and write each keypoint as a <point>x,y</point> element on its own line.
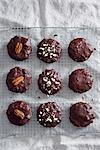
<point>18,80</point>
<point>18,47</point>
<point>19,113</point>
<point>49,119</point>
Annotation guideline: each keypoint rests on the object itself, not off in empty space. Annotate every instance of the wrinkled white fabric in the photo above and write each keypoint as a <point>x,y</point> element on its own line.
<point>49,13</point>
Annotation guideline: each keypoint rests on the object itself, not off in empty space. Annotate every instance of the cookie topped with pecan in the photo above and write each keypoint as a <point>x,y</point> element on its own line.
<point>19,113</point>
<point>19,48</point>
<point>49,50</point>
<point>18,80</point>
<point>49,82</point>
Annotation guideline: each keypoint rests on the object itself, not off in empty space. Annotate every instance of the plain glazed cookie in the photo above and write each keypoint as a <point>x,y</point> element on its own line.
<point>49,50</point>
<point>49,114</point>
<point>49,82</point>
<point>80,50</point>
<point>19,48</point>
<point>19,113</point>
<point>18,80</point>
<point>81,114</point>
<point>80,80</point>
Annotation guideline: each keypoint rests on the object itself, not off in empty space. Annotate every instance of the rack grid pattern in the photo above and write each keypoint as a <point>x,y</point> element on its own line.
<point>65,66</point>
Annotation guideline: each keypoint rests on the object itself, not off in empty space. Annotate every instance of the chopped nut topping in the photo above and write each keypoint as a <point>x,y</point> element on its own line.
<point>48,82</point>
<point>47,109</point>
<point>49,49</point>
<point>19,113</point>
<point>53,79</point>
<point>54,55</point>
<point>51,56</point>
<point>45,44</point>
<point>48,73</point>
<point>55,119</point>
<point>41,48</point>
<point>57,82</point>
<point>48,119</point>
<point>46,54</point>
<point>49,91</point>
<point>18,80</point>
<point>18,48</point>
<point>45,79</point>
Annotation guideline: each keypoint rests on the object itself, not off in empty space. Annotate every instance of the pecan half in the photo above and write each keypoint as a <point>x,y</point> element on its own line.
<point>19,113</point>
<point>18,80</point>
<point>18,47</point>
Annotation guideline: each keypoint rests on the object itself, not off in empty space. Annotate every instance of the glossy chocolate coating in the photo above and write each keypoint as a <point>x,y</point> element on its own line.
<point>49,114</point>
<point>18,80</point>
<point>80,80</point>
<point>49,82</point>
<point>49,50</point>
<point>19,48</point>
<point>81,114</point>
<point>80,50</point>
<point>19,113</point>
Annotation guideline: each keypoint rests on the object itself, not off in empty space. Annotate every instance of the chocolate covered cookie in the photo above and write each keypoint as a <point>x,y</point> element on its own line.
<point>19,48</point>
<point>80,80</point>
<point>49,82</point>
<point>80,50</point>
<point>49,114</point>
<point>81,114</point>
<point>19,113</point>
<point>18,80</point>
<point>49,50</point>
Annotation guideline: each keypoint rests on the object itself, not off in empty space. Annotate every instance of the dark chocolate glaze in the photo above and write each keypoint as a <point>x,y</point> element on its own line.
<point>49,114</point>
<point>23,85</point>
<point>80,50</point>
<point>49,50</point>
<point>49,82</point>
<point>81,114</point>
<point>80,80</point>
<point>21,107</point>
<point>26,48</point>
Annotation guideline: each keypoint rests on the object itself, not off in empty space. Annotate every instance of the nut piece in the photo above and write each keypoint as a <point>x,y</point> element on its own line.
<point>18,80</point>
<point>19,113</point>
<point>18,47</point>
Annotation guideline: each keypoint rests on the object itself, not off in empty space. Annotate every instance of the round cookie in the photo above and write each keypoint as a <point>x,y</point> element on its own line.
<point>19,48</point>
<point>19,113</point>
<point>18,80</point>
<point>80,80</point>
<point>49,50</point>
<point>80,50</point>
<point>49,82</point>
<point>49,114</point>
<point>81,114</point>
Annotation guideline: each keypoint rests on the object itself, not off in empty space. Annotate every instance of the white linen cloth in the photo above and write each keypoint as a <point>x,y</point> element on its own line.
<point>37,13</point>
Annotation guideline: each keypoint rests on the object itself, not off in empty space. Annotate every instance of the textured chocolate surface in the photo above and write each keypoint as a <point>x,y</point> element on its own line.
<point>49,50</point>
<point>19,48</point>
<point>49,114</point>
<point>19,113</point>
<point>80,80</point>
<point>81,114</point>
<point>80,50</point>
<point>49,82</point>
<point>18,80</point>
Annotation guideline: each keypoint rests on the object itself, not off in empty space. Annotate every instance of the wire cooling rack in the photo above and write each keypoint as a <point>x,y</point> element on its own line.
<point>65,66</point>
